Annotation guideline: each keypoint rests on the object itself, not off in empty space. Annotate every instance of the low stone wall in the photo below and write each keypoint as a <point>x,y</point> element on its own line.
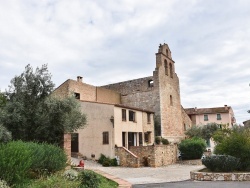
<point>217,176</point>
<point>127,158</point>
<point>152,156</point>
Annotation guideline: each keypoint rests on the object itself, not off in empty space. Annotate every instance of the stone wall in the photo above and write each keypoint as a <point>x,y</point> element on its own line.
<point>126,158</point>
<point>157,155</point>
<point>153,156</point>
<point>67,146</point>
<point>138,93</point>
<point>209,176</point>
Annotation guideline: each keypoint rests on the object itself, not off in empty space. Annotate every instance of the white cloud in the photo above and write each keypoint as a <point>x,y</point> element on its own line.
<point>109,41</point>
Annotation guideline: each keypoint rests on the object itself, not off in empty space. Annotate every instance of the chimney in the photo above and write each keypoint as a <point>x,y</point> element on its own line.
<point>226,108</point>
<point>195,109</point>
<point>79,79</point>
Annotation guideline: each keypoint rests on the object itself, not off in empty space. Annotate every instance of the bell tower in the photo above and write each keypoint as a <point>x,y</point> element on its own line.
<point>170,114</point>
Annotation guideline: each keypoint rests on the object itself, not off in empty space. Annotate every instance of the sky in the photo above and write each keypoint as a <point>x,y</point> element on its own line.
<point>116,40</point>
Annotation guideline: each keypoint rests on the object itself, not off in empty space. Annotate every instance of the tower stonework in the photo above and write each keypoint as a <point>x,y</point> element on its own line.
<point>159,93</point>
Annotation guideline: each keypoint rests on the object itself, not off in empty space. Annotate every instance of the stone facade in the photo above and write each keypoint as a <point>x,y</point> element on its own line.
<point>152,156</point>
<point>127,158</point>
<point>159,93</point>
<point>219,176</point>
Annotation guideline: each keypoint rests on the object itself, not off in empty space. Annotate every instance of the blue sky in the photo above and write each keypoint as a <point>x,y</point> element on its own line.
<point>116,40</point>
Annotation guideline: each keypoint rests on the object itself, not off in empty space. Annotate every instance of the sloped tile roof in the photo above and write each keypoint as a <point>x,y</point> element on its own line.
<point>214,110</point>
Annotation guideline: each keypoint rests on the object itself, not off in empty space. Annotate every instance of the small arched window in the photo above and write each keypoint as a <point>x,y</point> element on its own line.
<point>171,70</point>
<point>150,83</point>
<point>166,66</point>
<point>171,100</point>
<point>166,52</point>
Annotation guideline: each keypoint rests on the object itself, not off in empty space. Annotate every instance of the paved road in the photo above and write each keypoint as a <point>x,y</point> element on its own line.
<point>145,175</point>
<point>173,176</point>
<point>192,184</point>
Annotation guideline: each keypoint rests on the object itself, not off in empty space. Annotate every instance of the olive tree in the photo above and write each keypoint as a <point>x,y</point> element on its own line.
<point>31,114</point>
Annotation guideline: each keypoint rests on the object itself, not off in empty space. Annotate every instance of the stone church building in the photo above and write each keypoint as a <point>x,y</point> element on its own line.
<point>159,93</point>
<point>121,116</point>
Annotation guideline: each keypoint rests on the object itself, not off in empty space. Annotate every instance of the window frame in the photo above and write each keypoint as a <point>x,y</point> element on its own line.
<point>218,116</point>
<point>205,117</point>
<point>105,138</point>
<point>124,115</point>
<point>131,115</point>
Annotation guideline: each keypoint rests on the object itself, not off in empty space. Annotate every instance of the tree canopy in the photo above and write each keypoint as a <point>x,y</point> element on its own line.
<point>32,114</point>
<point>204,131</point>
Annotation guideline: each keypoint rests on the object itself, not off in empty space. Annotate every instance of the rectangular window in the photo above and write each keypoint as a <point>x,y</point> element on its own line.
<point>131,116</point>
<point>146,137</point>
<point>218,117</point>
<point>124,115</point>
<point>205,117</point>
<point>148,118</point>
<point>105,137</point>
<point>140,139</point>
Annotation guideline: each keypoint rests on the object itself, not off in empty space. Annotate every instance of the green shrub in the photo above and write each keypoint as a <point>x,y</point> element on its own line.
<point>106,161</point>
<point>47,158</point>
<point>5,135</point>
<point>221,163</point>
<point>3,184</point>
<point>88,179</point>
<point>101,159</point>
<point>21,160</point>
<point>192,148</point>
<point>114,162</point>
<point>237,144</point>
<point>164,141</point>
<point>158,140</point>
<point>15,162</point>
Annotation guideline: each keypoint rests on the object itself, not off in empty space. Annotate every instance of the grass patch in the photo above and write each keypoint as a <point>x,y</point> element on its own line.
<point>59,181</point>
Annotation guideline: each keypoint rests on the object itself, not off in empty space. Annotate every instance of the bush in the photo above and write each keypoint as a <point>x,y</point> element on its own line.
<point>47,158</point>
<point>88,179</point>
<point>15,162</point>
<point>158,140</point>
<point>101,159</point>
<point>106,161</point>
<point>5,135</point>
<point>237,144</point>
<point>19,160</point>
<point>164,141</point>
<point>192,148</point>
<point>221,163</point>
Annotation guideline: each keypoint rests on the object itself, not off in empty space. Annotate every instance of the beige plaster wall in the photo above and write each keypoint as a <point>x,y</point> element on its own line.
<point>140,125</point>
<point>108,96</point>
<point>87,92</point>
<point>98,121</point>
